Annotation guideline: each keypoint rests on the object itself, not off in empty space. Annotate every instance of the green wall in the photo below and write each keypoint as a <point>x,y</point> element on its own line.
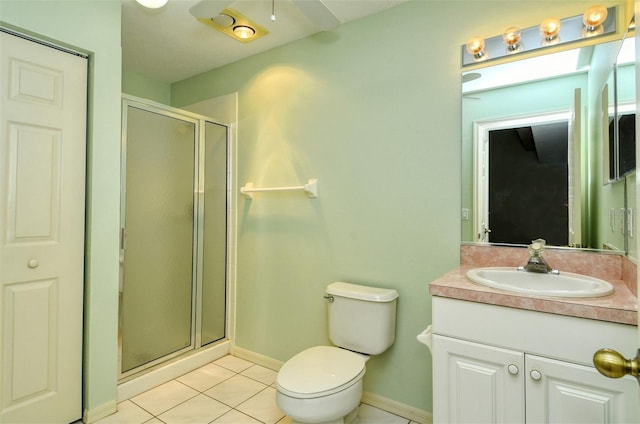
<point>372,110</point>
<point>372,113</point>
<point>94,27</point>
<point>144,87</point>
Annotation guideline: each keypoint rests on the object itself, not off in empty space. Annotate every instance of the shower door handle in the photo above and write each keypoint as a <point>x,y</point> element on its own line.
<point>122,234</point>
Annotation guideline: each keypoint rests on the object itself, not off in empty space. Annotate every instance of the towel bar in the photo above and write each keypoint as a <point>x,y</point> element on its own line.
<point>310,188</point>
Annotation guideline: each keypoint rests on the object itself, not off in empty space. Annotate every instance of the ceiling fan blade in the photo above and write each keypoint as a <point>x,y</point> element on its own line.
<point>318,13</point>
<point>206,9</point>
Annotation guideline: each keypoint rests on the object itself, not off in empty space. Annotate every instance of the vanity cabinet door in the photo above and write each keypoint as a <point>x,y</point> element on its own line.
<point>562,392</point>
<point>475,383</point>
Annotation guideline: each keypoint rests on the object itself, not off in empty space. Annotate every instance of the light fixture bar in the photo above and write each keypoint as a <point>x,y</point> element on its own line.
<point>571,30</point>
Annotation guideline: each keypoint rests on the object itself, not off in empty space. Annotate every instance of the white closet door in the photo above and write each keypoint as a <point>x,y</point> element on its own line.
<point>42,189</point>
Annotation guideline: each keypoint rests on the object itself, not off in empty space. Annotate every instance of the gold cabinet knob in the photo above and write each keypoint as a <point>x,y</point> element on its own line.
<point>613,365</point>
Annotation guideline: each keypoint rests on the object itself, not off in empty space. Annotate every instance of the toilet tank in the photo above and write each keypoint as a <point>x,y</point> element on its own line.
<point>362,318</point>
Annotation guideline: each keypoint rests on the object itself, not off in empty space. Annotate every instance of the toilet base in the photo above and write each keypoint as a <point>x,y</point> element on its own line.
<point>351,418</point>
<point>340,407</point>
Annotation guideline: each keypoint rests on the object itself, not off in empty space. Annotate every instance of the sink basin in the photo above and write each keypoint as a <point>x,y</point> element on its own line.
<point>565,284</point>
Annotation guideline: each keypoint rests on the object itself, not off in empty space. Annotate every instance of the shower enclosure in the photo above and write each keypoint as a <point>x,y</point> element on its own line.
<point>173,234</point>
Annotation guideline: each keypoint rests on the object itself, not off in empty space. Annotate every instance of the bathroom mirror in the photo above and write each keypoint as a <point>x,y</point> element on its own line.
<point>543,187</point>
<point>626,111</point>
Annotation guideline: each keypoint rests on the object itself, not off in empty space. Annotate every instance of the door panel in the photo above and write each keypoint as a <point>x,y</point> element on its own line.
<point>32,358</point>
<point>477,383</point>
<point>215,234</point>
<point>571,393</point>
<point>34,183</point>
<point>159,228</point>
<point>575,178</point>
<point>42,127</point>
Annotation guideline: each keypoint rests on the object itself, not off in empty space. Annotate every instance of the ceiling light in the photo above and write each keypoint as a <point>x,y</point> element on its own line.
<point>234,24</point>
<point>244,31</point>
<point>152,4</point>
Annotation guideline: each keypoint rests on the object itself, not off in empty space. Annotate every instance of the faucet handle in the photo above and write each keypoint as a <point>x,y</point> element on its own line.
<point>539,241</point>
<point>537,246</point>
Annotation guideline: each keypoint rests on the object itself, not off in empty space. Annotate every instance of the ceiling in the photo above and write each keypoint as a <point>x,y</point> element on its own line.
<point>169,44</point>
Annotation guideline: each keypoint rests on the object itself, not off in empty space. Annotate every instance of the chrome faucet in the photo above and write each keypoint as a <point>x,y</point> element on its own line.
<point>536,262</point>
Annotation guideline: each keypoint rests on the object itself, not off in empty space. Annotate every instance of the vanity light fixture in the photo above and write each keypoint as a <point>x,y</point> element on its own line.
<point>152,4</point>
<point>550,31</point>
<point>475,47</point>
<point>595,21</point>
<point>512,39</point>
<point>593,18</point>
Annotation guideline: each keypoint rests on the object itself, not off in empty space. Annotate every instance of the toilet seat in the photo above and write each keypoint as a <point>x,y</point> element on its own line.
<point>320,371</point>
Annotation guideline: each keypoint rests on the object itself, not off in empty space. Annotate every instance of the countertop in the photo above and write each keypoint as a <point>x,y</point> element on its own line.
<point>620,307</point>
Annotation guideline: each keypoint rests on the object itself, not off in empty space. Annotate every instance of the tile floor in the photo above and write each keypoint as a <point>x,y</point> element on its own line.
<point>227,391</point>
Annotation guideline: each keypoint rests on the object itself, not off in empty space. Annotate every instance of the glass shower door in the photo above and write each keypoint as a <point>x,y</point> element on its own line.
<point>214,238</point>
<point>157,290</point>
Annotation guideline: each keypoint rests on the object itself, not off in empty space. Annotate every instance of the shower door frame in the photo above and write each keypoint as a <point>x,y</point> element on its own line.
<point>198,225</point>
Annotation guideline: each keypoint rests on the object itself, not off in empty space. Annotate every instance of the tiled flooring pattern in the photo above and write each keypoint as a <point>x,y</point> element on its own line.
<point>227,391</point>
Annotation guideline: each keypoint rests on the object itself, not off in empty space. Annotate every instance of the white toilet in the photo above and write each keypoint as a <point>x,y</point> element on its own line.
<point>323,384</point>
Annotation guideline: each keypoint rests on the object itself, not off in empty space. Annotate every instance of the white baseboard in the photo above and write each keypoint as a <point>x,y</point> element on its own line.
<point>256,358</point>
<point>168,372</point>
<point>92,415</point>
<point>397,408</point>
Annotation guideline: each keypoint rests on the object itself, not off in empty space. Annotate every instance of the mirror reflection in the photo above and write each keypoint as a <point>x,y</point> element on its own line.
<point>536,149</point>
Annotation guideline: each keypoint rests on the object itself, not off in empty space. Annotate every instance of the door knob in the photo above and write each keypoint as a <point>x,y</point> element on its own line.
<point>33,263</point>
<point>613,365</point>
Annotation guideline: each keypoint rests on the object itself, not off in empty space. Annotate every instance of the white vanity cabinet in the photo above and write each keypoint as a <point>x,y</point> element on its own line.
<point>493,364</point>
<point>476,383</point>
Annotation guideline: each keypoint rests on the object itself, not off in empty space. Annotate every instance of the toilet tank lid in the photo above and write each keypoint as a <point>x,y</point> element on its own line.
<point>356,291</point>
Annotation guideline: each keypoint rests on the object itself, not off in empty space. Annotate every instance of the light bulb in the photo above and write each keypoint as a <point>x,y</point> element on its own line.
<point>152,4</point>
<point>594,17</point>
<point>243,31</point>
<point>511,38</point>
<point>475,47</point>
<point>549,29</point>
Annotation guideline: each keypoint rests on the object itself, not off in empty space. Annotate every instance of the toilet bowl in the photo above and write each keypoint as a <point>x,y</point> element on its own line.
<point>322,384</point>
